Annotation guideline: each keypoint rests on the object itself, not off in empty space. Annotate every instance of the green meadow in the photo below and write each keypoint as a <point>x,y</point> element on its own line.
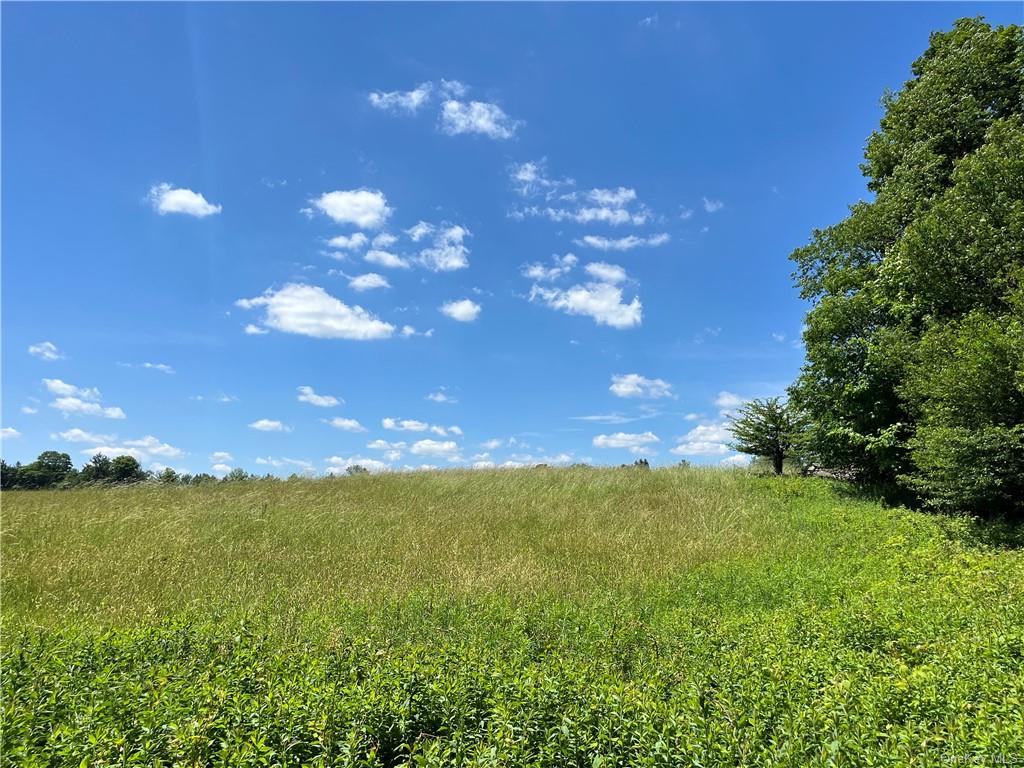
<point>555,617</point>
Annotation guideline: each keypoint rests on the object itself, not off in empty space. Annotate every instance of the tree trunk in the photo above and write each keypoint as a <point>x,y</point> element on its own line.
<point>777,463</point>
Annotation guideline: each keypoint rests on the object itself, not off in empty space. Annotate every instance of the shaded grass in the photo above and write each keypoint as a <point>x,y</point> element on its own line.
<point>554,617</point>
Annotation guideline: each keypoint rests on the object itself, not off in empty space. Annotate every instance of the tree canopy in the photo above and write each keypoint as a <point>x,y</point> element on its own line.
<point>915,344</point>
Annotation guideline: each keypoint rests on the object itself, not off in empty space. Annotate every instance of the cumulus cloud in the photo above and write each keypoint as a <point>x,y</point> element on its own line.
<point>463,310</point>
<point>728,403</point>
<point>626,440</point>
<point>623,243</point>
<point>363,208</point>
<point>736,460</point>
<point>448,251</point>
<point>635,385</point>
<point>705,440</point>
<point>338,465</point>
<point>404,425</point>
<point>458,117</point>
<point>221,469</point>
<point>605,272</point>
<point>79,400</point>
<point>600,301</point>
<point>255,330</point>
<point>305,467</point>
<point>9,433</point>
<point>269,425</point>
<point>45,350</point>
<point>142,449</point>
<point>351,242</point>
<point>221,456</point>
<point>402,101</point>
<point>309,310</point>
<point>368,282</point>
<point>538,272</point>
<point>447,449</point>
<point>167,199</point>
<point>385,259</point>
<point>345,425</point>
<point>419,230</point>
<point>307,395</point>
<point>77,435</point>
<point>384,240</point>
<point>713,206</point>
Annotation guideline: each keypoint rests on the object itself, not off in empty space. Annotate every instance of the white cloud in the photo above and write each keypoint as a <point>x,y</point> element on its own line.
<point>309,310</point>
<point>351,242</point>
<point>269,425</point>
<point>600,301</point>
<point>345,425</point>
<point>307,395</point>
<point>448,449</point>
<point>648,21</point>
<point>622,243</point>
<point>368,282</point>
<point>70,404</point>
<point>384,240</point>
<point>167,199</point>
<point>605,272</point>
<point>220,469</point>
<point>779,337</point>
<point>625,440</point>
<point>685,213</point>
<point>531,179</point>
<point>58,387</point>
<point>539,273</point>
<point>9,433</point>
<point>45,350</point>
<point>448,253</point>
<point>338,465</point>
<point>364,208</point>
<point>635,385</point>
<point>29,410</point>
<point>306,467</point>
<point>419,230</point>
<point>161,367</point>
<point>458,117</point>
<point>492,444</point>
<point>736,460</point>
<point>385,259</point>
<point>404,425</point>
<point>77,435</point>
<point>384,445</point>
<point>221,456</point>
<point>464,310</point>
<point>705,440</point>
<point>142,449</point>
<point>255,330</point>
<point>727,403</point>
<point>713,206</point>
<point>441,397</point>
<point>402,101</point>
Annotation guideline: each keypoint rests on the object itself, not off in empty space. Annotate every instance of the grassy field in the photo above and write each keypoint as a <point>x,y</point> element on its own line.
<point>575,617</point>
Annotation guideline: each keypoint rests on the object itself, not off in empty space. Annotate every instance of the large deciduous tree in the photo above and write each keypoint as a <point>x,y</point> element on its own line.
<point>915,360</point>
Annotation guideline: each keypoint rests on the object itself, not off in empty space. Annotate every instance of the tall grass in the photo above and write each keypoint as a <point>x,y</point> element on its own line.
<point>554,617</point>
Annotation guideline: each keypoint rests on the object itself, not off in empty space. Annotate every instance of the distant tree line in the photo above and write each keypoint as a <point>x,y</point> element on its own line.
<point>53,469</point>
<point>914,373</point>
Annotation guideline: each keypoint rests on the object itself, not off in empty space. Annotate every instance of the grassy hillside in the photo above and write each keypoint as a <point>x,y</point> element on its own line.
<point>538,617</point>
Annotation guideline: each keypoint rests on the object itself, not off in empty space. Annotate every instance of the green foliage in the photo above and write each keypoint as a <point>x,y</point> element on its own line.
<point>894,385</point>
<point>357,469</point>
<point>584,617</point>
<point>767,428</point>
<point>126,469</point>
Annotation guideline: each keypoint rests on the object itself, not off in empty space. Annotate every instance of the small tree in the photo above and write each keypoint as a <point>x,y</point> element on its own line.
<point>357,469</point>
<point>126,469</point>
<point>765,428</point>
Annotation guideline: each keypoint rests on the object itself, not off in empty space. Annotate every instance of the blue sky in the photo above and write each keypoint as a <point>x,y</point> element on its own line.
<point>296,237</point>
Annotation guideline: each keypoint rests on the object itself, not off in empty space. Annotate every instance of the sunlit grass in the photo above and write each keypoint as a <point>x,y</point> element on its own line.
<point>505,618</point>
